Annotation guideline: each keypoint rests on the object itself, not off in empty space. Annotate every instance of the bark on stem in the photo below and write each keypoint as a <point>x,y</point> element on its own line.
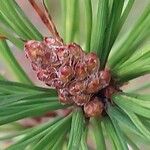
<point>47,19</point>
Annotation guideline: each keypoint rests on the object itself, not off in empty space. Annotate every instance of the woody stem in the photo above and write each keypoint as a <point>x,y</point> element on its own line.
<point>47,19</point>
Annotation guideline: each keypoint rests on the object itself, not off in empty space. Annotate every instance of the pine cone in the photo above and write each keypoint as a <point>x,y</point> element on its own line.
<point>75,74</point>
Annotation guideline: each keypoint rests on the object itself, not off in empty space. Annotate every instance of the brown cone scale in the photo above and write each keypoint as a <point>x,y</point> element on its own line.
<point>94,108</point>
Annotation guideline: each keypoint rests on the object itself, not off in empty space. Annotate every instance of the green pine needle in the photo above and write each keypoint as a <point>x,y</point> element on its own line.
<point>99,27</point>
<point>84,145</point>
<point>113,135</point>
<point>11,37</point>
<point>12,14</point>
<point>98,133</point>
<point>33,134</point>
<point>111,31</point>
<point>131,143</point>
<point>70,20</point>
<point>124,102</point>
<point>56,130</point>
<point>12,64</point>
<point>139,88</point>
<point>129,69</point>
<point>123,120</point>
<point>15,87</point>
<point>88,22</point>
<point>126,49</point>
<point>77,127</point>
<point>18,101</point>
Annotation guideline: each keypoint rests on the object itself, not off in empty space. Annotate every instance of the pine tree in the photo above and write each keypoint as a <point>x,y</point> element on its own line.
<point>84,64</point>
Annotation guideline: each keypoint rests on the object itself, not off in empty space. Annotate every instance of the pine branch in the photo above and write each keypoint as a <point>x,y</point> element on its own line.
<point>123,115</point>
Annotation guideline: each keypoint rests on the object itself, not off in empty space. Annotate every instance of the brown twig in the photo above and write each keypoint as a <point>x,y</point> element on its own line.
<point>47,19</point>
<point>2,37</point>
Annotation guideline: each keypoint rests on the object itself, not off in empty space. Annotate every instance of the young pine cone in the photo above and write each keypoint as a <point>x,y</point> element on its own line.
<point>68,69</point>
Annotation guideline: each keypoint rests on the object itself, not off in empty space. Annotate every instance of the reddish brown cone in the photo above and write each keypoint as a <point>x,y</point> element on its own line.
<point>73,73</point>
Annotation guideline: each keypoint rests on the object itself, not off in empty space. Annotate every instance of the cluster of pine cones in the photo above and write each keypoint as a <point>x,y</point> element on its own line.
<point>73,73</point>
